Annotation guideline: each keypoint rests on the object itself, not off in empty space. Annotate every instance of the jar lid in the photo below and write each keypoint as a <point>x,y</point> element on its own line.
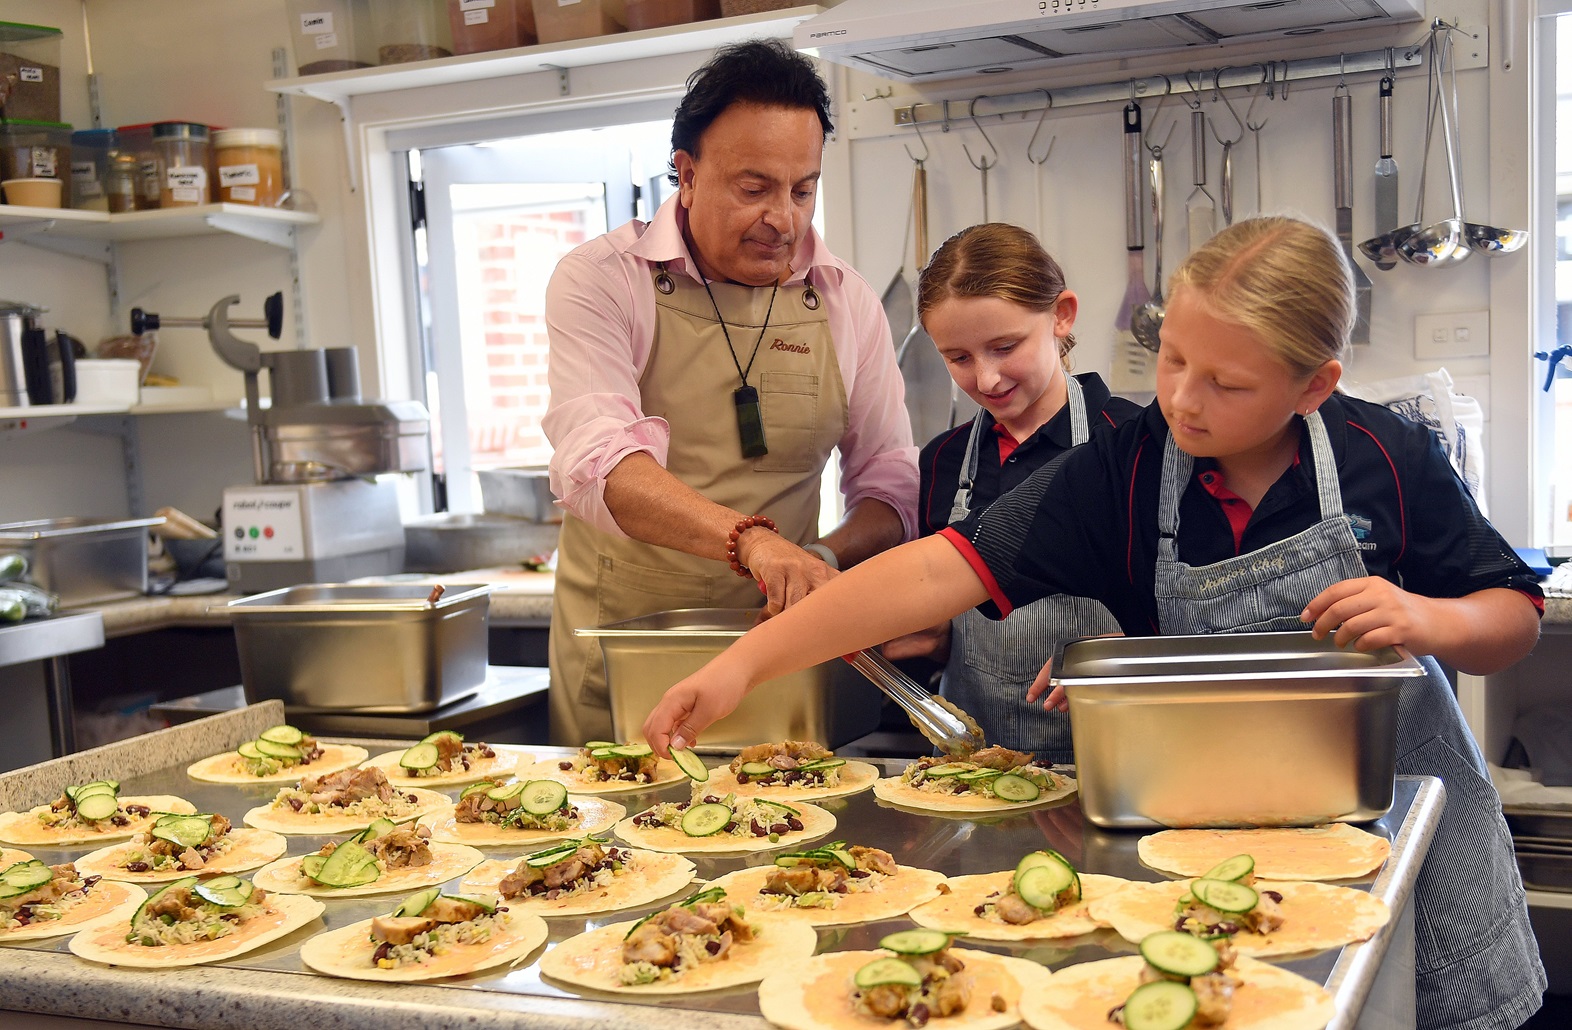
<point>94,137</point>
<point>248,138</point>
<point>180,130</point>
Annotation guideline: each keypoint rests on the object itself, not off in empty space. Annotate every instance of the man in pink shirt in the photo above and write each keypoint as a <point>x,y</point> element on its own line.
<point>703,367</point>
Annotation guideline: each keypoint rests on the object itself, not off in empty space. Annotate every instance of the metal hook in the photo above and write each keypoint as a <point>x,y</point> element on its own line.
<point>1035,132</point>
<point>971,112</point>
<point>1157,151</point>
<point>1391,62</point>
<point>1220,95</point>
<point>1342,69</point>
<point>1270,85</point>
<point>879,94</point>
<point>912,114</point>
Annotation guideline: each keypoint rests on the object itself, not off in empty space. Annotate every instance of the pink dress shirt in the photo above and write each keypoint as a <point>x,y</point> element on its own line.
<point>600,319</point>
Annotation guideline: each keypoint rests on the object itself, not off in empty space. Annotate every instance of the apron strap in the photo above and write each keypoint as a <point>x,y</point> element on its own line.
<point>1080,432</point>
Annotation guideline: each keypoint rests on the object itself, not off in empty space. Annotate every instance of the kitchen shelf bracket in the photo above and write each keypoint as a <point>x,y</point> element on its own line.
<point>124,426</point>
<point>279,235</point>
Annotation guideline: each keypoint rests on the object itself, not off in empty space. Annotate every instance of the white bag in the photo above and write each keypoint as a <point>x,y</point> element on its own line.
<point>1457,420</point>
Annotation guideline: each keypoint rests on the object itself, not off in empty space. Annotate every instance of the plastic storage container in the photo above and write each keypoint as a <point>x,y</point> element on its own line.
<point>410,30</point>
<point>182,152</point>
<point>30,62</point>
<point>108,381</point>
<point>137,140</point>
<point>250,165</point>
<point>91,150</point>
<point>120,182</point>
<point>655,14</point>
<point>35,150</point>
<point>482,25</point>
<point>732,8</point>
<point>559,20</point>
<point>329,35</point>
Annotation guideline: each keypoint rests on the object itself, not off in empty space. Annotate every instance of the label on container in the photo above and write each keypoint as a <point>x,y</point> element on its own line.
<point>27,74</point>
<point>327,40</point>
<point>476,17</point>
<point>239,175</point>
<point>186,177</point>
<point>248,194</point>
<point>316,24</point>
<point>185,195</point>
<point>84,171</point>
<point>471,5</point>
<point>43,162</point>
<point>567,3</point>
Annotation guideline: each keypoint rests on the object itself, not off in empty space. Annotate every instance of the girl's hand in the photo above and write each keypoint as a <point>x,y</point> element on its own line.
<point>1057,701</point>
<point>1370,613</point>
<point>690,706</point>
<point>933,642</point>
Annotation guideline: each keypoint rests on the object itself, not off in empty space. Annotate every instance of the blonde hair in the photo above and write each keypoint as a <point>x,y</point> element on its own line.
<point>1283,279</point>
<point>994,259</point>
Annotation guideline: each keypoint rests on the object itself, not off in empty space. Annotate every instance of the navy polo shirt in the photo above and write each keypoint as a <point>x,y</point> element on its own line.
<point>944,456</point>
<point>1091,530</point>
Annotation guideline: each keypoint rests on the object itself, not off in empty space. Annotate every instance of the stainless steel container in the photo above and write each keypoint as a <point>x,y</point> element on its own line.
<point>1233,729</point>
<point>524,493</point>
<point>84,560</point>
<point>455,543</point>
<point>830,703</point>
<point>384,648</point>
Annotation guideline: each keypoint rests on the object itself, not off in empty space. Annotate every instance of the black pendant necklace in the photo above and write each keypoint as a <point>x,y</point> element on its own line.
<point>750,421</point>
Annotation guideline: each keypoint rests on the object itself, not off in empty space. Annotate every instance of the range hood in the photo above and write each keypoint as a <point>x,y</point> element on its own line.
<point>936,39</point>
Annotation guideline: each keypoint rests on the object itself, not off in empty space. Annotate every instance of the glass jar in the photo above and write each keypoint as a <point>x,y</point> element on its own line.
<point>138,140</point>
<point>411,30</point>
<point>120,184</point>
<point>250,166</point>
<point>90,150</point>
<point>329,35</point>
<point>182,152</point>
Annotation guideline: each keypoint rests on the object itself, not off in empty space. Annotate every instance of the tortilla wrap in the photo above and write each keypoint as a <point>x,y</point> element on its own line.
<point>666,772</point>
<point>815,993</point>
<point>105,940</point>
<point>1079,997</point>
<point>816,822</point>
<point>890,897</point>
<point>285,820</point>
<point>229,767</point>
<point>856,777</point>
<point>596,815</point>
<point>106,899</point>
<point>24,827</point>
<point>956,911</point>
<point>1334,852</point>
<point>1316,916</point>
<point>447,861</point>
<point>250,848</point>
<point>501,767</point>
<point>10,857</point>
<point>891,789</point>
<point>347,952</point>
<point>594,959</point>
<point>646,878</point>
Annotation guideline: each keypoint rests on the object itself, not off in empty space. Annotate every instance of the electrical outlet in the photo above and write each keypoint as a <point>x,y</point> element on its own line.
<point>1461,334</point>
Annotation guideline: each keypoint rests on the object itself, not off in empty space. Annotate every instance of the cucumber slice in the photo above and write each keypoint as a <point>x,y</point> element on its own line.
<point>312,865</point>
<point>417,903</point>
<point>350,865</point>
<point>378,828</point>
<point>1040,885</point>
<point>97,806</point>
<point>979,774</point>
<point>506,793</point>
<point>1047,856</point>
<point>592,745</point>
<point>89,789</point>
<point>757,769</point>
<point>474,899</point>
<point>824,763</point>
<point>921,941</point>
<point>706,894</point>
<point>9,891</point>
<point>249,750</point>
<point>224,891</point>
<point>603,752</point>
<point>842,856</point>
<point>1011,787</point>
<point>632,750</point>
<point>542,797</point>
<point>1160,1005</point>
<point>187,883</point>
<point>432,738</point>
<point>27,875</point>
<point>1225,895</point>
<point>281,735</point>
<point>1178,954</point>
<point>474,788</point>
<point>272,749</point>
<point>690,765</point>
<point>777,804</point>
<point>188,831</point>
<point>1236,868</point>
<point>704,820</point>
<point>884,971</point>
<point>421,756</point>
<point>948,769</point>
<point>551,856</point>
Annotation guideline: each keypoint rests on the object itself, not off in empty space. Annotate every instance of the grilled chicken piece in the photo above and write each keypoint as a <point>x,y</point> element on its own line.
<point>887,1001</point>
<point>404,847</point>
<point>1001,758</point>
<point>928,965</point>
<point>347,787</point>
<point>471,809</point>
<point>1214,998</point>
<point>577,865</point>
<point>874,859</point>
<point>517,882</point>
<point>396,930</point>
<point>683,920</point>
<point>650,943</point>
<point>218,826</point>
<point>452,910</point>
<point>951,994</point>
<point>797,880</point>
<point>798,750</point>
<point>449,749</point>
<point>833,879</point>
<point>65,881</point>
<point>1012,909</point>
<point>723,916</point>
<point>176,902</point>
<point>1266,916</point>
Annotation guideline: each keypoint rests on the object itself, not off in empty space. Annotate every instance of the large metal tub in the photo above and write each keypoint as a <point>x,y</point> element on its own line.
<point>450,542</point>
<point>383,648</point>
<point>830,703</point>
<point>1234,729</point>
<point>85,561</point>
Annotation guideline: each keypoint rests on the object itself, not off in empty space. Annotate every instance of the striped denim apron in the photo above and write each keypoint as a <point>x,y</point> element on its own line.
<point>1476,964</point>
<point>992,662</point>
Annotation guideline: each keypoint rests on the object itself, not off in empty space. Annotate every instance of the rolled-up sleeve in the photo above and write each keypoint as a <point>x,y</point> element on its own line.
<point>594,419</point>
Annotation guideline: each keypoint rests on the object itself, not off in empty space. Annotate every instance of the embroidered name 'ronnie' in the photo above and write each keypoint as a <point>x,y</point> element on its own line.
<point>795,348</point>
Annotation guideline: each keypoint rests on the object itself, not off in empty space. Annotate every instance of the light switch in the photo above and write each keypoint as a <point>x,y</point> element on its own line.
<point>1462,334</point>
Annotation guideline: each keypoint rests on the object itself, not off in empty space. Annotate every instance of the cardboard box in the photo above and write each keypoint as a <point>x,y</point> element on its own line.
<point>560,20</point>
<point>30,89</point>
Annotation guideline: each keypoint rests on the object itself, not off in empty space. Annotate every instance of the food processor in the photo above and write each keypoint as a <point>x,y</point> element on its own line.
<point>323,508</point>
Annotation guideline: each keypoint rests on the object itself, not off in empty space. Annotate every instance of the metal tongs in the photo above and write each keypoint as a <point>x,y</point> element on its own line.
<point>949,728</point>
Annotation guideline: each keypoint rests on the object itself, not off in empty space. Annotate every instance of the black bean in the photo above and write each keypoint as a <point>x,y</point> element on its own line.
<point>137,867</point>
<point>1274,896</point>
<point>713,947</point>
<point>780,828</point>
<point>918,1015</point>
<point>858,874</point>
<point>565,766</point>
<point>979,910</point>
<point>742,777</point>
<point>794,822</point>
<point>382,952</point>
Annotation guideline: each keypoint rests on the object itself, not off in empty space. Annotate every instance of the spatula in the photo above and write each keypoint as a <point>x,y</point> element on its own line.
<point>1135,291</point>
<point>1342,176</point>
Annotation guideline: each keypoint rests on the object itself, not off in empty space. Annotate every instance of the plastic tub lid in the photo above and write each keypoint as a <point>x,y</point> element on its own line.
<point>248,138</point>
<point>23,123</point>
<point>180,130</point>
<point>101,137</point>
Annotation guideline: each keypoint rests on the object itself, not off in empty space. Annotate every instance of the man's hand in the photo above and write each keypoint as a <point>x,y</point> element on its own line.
<point>690,706</point>
<point>932,643</point>
<point>786,572</point>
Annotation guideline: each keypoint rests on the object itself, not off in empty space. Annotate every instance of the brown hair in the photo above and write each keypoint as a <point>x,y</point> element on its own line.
<point>1285,280</point>
<point>994,259</point>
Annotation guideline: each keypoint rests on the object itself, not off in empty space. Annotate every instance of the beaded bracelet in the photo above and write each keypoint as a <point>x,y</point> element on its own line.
<point>731,541</point>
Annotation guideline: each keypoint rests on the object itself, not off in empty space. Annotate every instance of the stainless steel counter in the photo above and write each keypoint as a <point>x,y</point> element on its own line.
<point>43,976</point>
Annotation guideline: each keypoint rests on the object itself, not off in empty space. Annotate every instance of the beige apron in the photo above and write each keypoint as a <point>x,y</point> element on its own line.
<point>689,381</point>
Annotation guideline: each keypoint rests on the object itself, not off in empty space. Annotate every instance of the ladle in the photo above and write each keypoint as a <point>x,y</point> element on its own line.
<point>1488,239</point>
<point>1417,243</point>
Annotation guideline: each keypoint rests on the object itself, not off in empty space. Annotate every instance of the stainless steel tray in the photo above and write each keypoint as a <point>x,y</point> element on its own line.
<point>1238,729</point>
<point>84,560</point>
<point>1526,821</point>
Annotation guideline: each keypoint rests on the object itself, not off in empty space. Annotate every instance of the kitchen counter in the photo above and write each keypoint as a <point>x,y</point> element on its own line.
<point>1374,978</point>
